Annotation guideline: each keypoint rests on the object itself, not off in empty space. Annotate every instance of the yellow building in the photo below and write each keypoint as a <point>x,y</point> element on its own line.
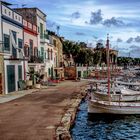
<point>59,70</point>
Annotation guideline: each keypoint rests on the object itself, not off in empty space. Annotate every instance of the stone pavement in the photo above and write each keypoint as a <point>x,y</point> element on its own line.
<point>36,116</point>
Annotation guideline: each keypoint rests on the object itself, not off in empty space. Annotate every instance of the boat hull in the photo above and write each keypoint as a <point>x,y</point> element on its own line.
<point>117,97</point>
<point>97,107</point>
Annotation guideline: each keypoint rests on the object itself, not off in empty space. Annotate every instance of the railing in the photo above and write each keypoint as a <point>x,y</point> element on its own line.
<point>35,59</point>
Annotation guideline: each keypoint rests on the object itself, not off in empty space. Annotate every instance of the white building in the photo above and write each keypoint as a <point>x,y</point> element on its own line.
<point>12,37</point>
<point>45,48</point>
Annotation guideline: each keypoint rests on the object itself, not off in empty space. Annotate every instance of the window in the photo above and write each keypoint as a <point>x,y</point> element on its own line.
<point>49,71</point>
<point>54,43</point>
<point>39,53</point>
<point>5,11</point>
<point>51,54</point>
<point>42,52</point>
<point>38,29</point>
<point>48,54</point>
<point>45,55</point>
<point>9,13</point>
<point>14,51</point>
<point>20,43</point>
<point>35,51</point>
<point>31,47</point>
<point>41,30</point>
<point>26,51</point>
<point>16,17</point>
<point>6,42</point>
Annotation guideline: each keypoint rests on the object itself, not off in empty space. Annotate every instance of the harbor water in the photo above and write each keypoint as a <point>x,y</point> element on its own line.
<point>105,127</point>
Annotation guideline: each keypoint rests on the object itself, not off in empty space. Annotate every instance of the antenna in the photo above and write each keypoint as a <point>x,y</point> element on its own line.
<point>57,28</point>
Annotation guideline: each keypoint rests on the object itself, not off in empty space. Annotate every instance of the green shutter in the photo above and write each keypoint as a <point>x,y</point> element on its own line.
<point>42,52</point>
<point>19,72</point>
<point>20,43</point>
<point>41,30</point>
<point>6,42</point>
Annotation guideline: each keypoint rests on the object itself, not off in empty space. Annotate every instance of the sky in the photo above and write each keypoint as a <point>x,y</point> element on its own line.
<point>91,20</point>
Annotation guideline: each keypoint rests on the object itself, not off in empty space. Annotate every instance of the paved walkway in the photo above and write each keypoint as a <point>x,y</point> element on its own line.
<point>36,116</point>
<point>14,95</point>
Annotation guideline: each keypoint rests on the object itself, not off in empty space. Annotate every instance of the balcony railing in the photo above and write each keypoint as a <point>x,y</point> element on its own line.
<point>36,59</point>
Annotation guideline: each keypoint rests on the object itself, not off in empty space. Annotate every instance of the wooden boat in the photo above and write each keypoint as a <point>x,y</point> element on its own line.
<point>126,95</point>
<point>107,107</point>
<point>102,103</point>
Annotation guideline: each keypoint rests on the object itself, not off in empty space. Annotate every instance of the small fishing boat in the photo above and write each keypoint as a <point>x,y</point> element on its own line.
<point>119,93</point>
<point>107,107</point>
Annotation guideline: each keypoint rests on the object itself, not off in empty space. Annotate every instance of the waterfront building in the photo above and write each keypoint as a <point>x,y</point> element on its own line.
<point>11,37</point>
<point>44,47</point>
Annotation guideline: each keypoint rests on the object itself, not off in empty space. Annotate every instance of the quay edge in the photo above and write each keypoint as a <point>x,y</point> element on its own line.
<point>68,119</point>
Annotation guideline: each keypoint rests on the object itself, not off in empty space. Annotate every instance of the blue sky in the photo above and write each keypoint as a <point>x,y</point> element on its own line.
<point>91,20</point>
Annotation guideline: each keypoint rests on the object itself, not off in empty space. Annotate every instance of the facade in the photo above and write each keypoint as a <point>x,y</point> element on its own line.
<point>31,46</point>
<point>12,46</point>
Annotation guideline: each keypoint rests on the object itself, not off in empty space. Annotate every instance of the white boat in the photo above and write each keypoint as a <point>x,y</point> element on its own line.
<point>107,107</point>
<point>124,95</point>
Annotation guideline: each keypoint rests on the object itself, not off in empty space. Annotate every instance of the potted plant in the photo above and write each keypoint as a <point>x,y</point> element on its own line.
<point>38,78</point>
<point>30,82</point>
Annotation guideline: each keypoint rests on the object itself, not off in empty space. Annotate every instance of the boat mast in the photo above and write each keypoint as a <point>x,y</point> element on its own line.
<point>108,64</point>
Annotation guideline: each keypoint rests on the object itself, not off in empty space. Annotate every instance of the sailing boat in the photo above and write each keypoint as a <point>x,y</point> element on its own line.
<point>99,105</point>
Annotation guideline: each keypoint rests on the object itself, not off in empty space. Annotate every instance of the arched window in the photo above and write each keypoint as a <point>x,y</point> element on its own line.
<point>51,54</point>
<point>48,54</point>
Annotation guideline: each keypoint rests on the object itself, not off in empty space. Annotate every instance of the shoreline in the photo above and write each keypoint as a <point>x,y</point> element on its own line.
<point>68,119</point>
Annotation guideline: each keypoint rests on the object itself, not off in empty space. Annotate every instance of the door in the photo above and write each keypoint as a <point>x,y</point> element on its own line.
<point>19,72</point>
<point>11,78</point>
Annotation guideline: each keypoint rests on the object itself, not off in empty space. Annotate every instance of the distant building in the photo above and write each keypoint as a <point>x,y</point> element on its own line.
<point>59,69</point>
<point>11,36</point>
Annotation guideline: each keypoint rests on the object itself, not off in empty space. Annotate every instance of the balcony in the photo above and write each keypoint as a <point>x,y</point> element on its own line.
<point>35,59</point>
<point>44,38</point>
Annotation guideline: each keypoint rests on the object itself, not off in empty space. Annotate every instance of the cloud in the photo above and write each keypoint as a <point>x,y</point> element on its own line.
<point>121,48</point>
<point>80,34</point>
<point>96,17</point>
<point>129,40</point>
<point>119,40</point>
<point>76,15</point>
<point>134,47</point>
<point>137,39</point>
<point>113,22</point>
<point>135,51</point>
